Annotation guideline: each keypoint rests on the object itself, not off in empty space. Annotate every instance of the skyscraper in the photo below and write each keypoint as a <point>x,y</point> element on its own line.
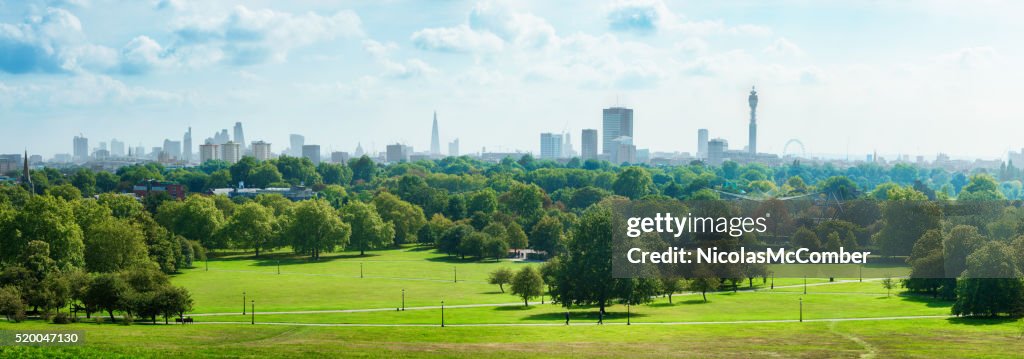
<point>186,152</point>
<point>752,140</point>
<point>453,148</point>
<point>208,152</point>
<point>172,149</point>
<point>296,142</point>
<point>588,149</point>
<point>435,140</point>
<point>617,122</point>
<point>239,136</point>
<point>702,143</point>
<point>567,150</point>
<point>550,146</point>
<point>116,148</point>
<point>81,149</point>
<point>397,153</point>
<point>312,152</point>
<point>261,150</point>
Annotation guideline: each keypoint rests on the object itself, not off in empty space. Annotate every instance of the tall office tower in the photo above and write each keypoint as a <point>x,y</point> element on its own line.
<point>296,141</point>
<point>116,148</point>
<point>588,148</point>
<point>208,152</point>
<point>339,157</point>
<point>702,143</point>
<point>359,150</point>
<point>454,148</point>
<point>716,151</point>
<point>231,152</point>
<point>221,137</point>
<point>550,146</point>
<point>172,149</point>
<point>139,151</point>
<point>618,122</point>
<point>397,153</point>
<point>312,152</point>
<point>103,146</point>
<point>752,140</point>
<point>261,150</point>
<point>81,149</point>
<point>186,152</point>
<point>240,136</point>
<point>567,150</point>
<point>435,140</point>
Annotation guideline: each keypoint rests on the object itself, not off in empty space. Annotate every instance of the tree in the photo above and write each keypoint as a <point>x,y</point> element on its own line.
<point>671,285</point>
<point>473,245</point>
<point>888,284</point>
<point>515,236</point>
<point>525,201</point>
<point>500,277</point>
<point>547,235</point>
<point>633,182</point>
<point>833,243</point>
<point>85,181</point>
<point>173,301</point>
<point>334,173</point>
<point>369,230</point>
<point>114,244</point>
<point>66,192</point>
<point>527,284</point>
<point>991,284</point>
<point>47,219</point>
<point>252,226</point>
<point>485,200</point>
<point>839,186</point>
<point>450,242</point>
<point>264,175</point>
<point>314,227</point>
<point>11,305</point>
<point>241,170</point>
<point>704,281</point>
<point>196,218</point>
<point>106,292</point>
<point>363,169</point>
<point>406,217</point>
<point>495,247</point>
<point>805,238</point>
<point>432,233</point>
<point>121,206</point>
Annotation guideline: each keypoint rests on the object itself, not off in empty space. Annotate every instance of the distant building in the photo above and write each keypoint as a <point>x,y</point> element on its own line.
<point>752,135</point>
<point>617,122</point>
<point>588,148</point>
<point>239,137</point>
<point>186,151</point>
<point>231,152</point>
<point>453,148</point>
<point>172,149</point>
<point>296,141</point>
<point>397,153</point>
<point>435,139</point>
<point>81,149</point>
<point>625,151</point>
<point>145,188</point>
<point>116,148</point>
<point>339,157</point>
<point>702,143</point>
<point>550,146</point>
<point>312,152</point>
<point>209,152</point>
<point>298,193</point>
<point>359,150</point>
<point>567,150</point>
<point>10,163</point>
<point>261,150</point>
<point>716,151</point>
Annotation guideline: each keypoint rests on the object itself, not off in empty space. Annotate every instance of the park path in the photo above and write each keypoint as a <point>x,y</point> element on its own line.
<point>485,305</point>
<point>825,320</point>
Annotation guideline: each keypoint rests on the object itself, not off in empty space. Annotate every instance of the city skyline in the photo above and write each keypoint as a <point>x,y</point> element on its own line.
<point>499,74</point>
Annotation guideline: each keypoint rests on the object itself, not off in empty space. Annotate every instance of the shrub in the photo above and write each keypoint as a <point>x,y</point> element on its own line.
<point>63,318</point>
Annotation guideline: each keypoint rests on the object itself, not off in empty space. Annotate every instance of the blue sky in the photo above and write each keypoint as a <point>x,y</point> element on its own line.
<point>912,77</point>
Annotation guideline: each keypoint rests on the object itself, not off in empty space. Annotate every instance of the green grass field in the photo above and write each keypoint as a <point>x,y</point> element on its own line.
<point>726,326</point>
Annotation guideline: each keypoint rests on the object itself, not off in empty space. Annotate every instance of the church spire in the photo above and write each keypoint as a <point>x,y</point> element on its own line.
<point>26,176</point>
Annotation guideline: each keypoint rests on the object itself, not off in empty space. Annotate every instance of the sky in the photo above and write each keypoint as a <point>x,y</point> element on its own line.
<point>843,77</point>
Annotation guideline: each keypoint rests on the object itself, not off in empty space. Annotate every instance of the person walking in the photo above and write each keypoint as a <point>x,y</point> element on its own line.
<point>567,317</point>
<point>600,317</point>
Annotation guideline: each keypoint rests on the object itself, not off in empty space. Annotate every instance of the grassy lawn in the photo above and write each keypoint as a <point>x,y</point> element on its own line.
<point>427,277</point>
<point>924,338</point>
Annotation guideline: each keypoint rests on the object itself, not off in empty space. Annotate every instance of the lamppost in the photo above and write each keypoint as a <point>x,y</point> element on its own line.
<point>253,312</point>
<point>403,299</point>
<point>207,263</point>
<point>805,284</point>
<point>801,309</point>
<point>243,303</point>
<point>442,314</point>
<point>360,270</point>
<point>861,275</point>
<point>279,266</point>
<point>773,280</point>
<point>456,270</point>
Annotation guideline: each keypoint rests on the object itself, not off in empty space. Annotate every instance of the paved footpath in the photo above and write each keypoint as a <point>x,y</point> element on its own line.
<point>586,324</point>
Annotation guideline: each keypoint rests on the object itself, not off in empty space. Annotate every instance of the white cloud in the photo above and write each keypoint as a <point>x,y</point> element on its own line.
<point>784,48</point>
<point>490,27</point>
<point>456,39</point>
<point>247,36</point>
<point>381,52</point>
